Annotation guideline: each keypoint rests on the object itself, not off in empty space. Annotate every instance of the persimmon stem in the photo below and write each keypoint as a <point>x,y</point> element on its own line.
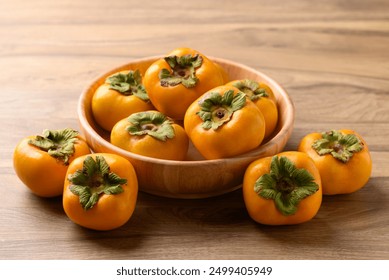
<point>128,84</point>
<point>251,88</point>
<point>182,71</point>
<point>216,109</point>
<point>94,179</point>
<point>154,124</point>
<point>286,185</point>
<point>57,143</point>
<point>339,145</point>
<point>220,113</point>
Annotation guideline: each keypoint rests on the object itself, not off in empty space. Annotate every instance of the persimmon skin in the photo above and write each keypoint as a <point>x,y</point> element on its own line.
<point>338,177</point>
<point>244,132</point>
<point>109,106</point>
<point>225,75</point>
<point>111,211</point>
<point>173,101</point>
<point>41,173</point>
<point>171,149</point>
<point>263,210</point>
<point>268,107</point>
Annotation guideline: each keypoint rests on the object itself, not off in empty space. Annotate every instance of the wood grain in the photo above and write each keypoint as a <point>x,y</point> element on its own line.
<point>331,56</point>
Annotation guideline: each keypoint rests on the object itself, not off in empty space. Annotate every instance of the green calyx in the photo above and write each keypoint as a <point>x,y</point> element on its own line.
<point>94,179</point>
<point>286,185</point>
<point>341,146</point>
<point>216,109</point>
<point>251,89</point>
<point>57,143</point>
<point>155,124</point>
<point>128,84</point>
<point>183,71</point>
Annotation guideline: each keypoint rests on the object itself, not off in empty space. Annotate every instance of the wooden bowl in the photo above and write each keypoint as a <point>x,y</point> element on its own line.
<point>194,177</point>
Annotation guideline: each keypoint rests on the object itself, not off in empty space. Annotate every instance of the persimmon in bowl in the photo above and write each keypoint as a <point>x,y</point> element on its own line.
<point>194,177</point>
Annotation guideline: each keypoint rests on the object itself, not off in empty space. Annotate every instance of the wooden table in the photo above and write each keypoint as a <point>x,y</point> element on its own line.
<point>331,56</point>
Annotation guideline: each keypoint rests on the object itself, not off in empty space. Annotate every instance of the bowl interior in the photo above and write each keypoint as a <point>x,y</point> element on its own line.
<point>229,177</point>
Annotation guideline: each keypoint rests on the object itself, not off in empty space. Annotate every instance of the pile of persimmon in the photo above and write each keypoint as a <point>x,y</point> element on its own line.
<point>99,191</point>
<point>180,98</point>
<point>144,112</point>
<point>288,187</point>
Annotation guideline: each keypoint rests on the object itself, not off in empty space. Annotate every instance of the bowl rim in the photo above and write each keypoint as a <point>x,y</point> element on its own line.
<point>94,134</point>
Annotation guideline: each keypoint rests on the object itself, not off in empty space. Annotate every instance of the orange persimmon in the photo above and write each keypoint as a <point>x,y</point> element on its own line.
<point>151,134</point>
<point>121,95</point>
<point>224,123</point>
<point>342,157</point>
<point>264,98</point>
<point>283,189</point>
<point>175,81</point>
<point>100,191</point>
<point>225,75</point>
<point>41,162</point>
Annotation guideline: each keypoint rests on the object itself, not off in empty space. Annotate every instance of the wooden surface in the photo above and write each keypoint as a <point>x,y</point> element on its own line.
<point>331,56</point>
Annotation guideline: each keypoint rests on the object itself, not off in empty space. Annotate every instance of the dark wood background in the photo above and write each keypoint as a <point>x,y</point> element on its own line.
<point>331,56</point>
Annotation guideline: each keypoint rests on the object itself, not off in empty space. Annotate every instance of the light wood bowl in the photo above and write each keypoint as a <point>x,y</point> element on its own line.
<point>194,177</point>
